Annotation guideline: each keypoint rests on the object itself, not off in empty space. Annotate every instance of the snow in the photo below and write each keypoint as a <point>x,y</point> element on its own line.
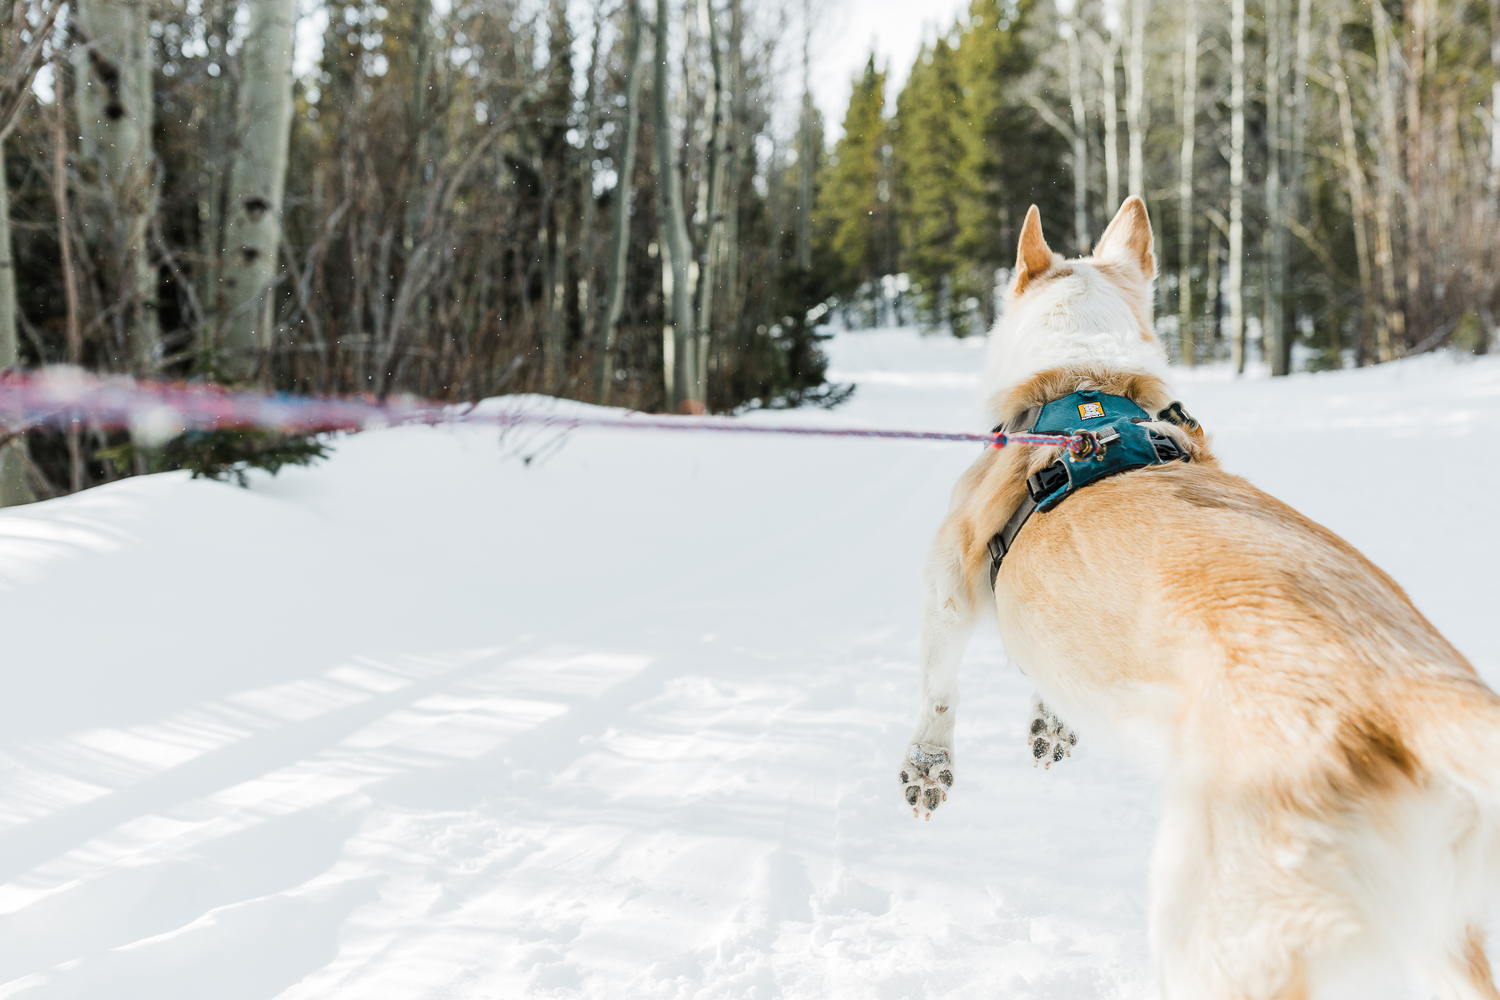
<point>433,720</point>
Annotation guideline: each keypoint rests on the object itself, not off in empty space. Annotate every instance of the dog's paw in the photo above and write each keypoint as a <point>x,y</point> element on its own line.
<point>926,777</point>
<point>1048,736</point>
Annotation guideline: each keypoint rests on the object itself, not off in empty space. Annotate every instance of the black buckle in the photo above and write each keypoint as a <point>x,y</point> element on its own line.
<point>1167,448</point>
<point>1044,482</point>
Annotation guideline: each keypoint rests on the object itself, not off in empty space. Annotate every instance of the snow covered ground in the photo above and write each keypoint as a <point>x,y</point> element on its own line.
<point>434,721</point>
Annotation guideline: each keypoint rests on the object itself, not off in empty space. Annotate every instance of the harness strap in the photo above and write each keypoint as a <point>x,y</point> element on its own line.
<point>1048,487</point>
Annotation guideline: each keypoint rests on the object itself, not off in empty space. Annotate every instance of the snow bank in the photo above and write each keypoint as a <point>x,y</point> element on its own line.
<point>610,714</point>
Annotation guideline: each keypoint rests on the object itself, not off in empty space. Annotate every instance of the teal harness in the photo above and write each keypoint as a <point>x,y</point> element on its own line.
<point>1115,442</point>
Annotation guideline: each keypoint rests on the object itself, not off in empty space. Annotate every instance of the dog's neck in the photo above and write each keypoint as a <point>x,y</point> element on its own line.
<point>1148,391</point>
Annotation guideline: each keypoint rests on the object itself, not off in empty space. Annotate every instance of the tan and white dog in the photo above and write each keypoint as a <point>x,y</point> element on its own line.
<point>1330,764</point>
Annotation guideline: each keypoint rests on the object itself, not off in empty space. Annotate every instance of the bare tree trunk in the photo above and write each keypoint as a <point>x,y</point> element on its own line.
<point>805,151</point>
<point>13,487</point>
<point>1274,341</point>
<point>624,193</point>
<point>115,120</point>
<point>1416,156</point>
<point>683,389</point>
<point>1135,99</point>
<point>713,208</point>
<point>1080,137</point>
<point>1237,183</point>
<point>257,180</point>
<point>588,288</point>
<point>1390,331</point>
<point>1108,52</point>
<point>1354,174</point>
<point>1185,325</point>
<point>215,126</point>
<point>1494,179</point>
<point>65,251</point>
<point>737,143</point>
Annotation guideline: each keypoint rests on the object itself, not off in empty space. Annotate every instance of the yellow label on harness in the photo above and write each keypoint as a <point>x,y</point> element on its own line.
<point>1088,411</point>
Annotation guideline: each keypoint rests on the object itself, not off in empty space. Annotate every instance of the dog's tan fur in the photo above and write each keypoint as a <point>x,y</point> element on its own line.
<point>1329,760</point>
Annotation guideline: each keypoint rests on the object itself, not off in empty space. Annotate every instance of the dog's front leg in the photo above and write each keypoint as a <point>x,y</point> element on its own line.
<point>926,770</point>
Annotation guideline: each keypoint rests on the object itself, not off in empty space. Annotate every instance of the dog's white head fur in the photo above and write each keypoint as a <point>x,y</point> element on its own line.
<point>1090,313</point>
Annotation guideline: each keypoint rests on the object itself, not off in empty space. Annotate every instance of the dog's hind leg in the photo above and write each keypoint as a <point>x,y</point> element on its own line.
<point>1225,923</point>
<point>948,612</point>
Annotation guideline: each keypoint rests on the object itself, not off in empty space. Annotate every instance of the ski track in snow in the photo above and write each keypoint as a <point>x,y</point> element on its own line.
<point>430,721</point>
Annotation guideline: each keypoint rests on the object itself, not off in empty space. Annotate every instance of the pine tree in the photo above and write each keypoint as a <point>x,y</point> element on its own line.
<point>853,210</point>
<point>1014,157</point>
<point>933,151</point>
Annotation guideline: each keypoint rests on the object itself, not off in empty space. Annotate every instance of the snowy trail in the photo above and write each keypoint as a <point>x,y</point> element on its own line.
<point>428,721</point>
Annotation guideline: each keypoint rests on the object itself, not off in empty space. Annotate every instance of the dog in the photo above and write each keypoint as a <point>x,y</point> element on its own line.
<point>1329,762</point>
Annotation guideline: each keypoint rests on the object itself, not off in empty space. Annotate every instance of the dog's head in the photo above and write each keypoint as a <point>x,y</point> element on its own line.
<point>1088,320</point>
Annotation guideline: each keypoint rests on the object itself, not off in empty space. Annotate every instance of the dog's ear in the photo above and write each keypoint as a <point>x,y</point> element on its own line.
<point>1129,238</point>
<point>1033,256</point>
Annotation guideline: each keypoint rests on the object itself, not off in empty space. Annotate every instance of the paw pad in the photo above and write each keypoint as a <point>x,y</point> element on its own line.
<point>1050,738</point>
<point>926,777</point>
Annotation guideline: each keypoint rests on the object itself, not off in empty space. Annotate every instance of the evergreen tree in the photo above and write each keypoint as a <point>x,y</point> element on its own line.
<point>1014,158</point>
<point>853,217</point>
<point>933,155</point>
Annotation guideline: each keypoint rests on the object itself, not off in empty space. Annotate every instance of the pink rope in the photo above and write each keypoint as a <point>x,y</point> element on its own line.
<point>161,410</point>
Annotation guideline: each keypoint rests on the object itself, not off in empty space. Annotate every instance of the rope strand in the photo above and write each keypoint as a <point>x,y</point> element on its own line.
<point>157,411</point>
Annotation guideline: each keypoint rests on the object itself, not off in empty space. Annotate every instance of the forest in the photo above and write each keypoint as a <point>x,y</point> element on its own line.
<point>617,201</point>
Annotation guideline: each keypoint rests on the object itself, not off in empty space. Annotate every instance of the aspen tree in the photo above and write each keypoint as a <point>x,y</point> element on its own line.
<point>115,120</point>
<point>713,189</point>
<point>1185,325</point>
<point>1273,330</point>
<point>684,391</point>
<point>588,287</point>
<point>624,195</point>
<point>1494,178</point>
<point>1135,99</point>
<point>806,158</point>
<point>257,179</point>
<point>738,139</point>
<point>16,97</point>
<point>1392,330</point>
<point>1109,52</point>
<point>1417,153</point>
<point>1079,136</point>
<point>1354,175</point>
<point>1235,291</point>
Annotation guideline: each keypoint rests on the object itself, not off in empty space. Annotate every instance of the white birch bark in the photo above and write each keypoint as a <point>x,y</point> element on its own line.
<point>1079,137</point>
<point>713,194</point>
<point>1110,111</point>
<point>1354,174</point>
<point>1392,329</point>
<point>1135,98</point>
<point>1185,325</point>
<point>624,195</point>
<point>683,389</point>
<point>1273,332</point>
<point>1236,184</point>
<point>115,118</point>
<point>1417,155</point>
<point>805,151</point>
<point>1495,110</point>
<point>1494,180</point>
<point>257,179</point>
<point>13,487</point>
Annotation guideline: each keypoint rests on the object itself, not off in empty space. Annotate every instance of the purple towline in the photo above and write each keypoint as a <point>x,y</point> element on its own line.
<point>157,411</point>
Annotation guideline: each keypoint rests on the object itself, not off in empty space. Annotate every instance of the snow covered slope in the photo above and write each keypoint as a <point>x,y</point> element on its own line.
<point>432,720</point>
